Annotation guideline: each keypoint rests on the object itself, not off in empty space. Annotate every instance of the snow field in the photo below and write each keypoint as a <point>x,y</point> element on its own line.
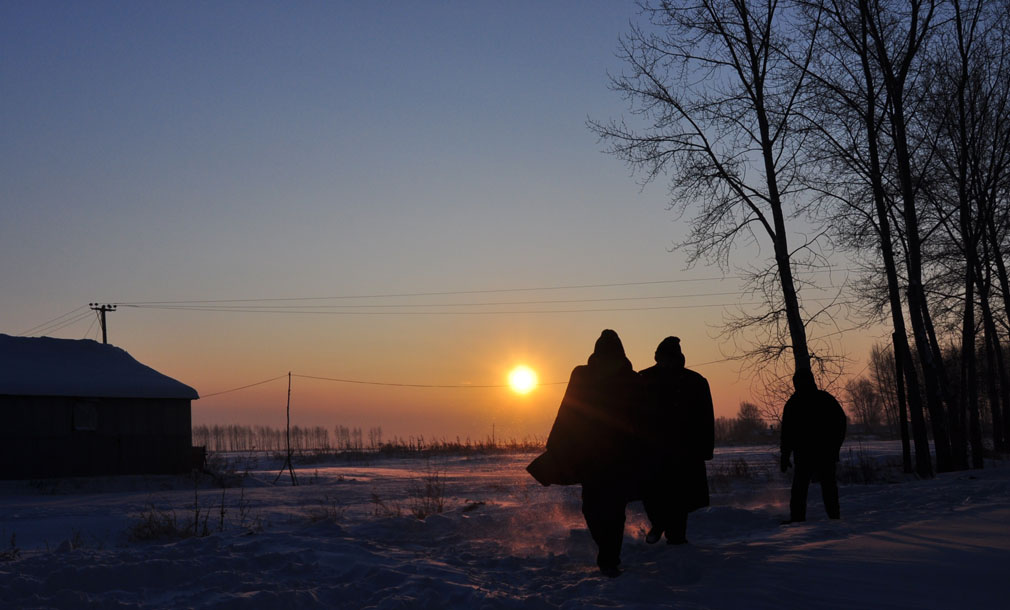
<point>346,538</point>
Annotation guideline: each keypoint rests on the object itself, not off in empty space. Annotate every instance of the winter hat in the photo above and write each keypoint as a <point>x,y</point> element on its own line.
<point>669,351</point>
<point>609,345</point>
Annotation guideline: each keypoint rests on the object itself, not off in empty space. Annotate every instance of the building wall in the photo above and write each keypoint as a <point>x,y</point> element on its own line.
<point>56,436</point>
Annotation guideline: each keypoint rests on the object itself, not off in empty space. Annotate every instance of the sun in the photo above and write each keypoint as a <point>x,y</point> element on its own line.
<point>522,379</point>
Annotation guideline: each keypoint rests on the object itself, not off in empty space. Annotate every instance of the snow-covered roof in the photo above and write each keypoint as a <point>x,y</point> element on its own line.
<point>42,366</point>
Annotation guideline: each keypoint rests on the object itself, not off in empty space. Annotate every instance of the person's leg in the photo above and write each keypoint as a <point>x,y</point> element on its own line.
<point>604,513</point>
<point>798,496</point>
<point>655,514</point>
<point>676,530</point>
<point>655,502</point>
<point>652,503</point>
<point>829,489</point>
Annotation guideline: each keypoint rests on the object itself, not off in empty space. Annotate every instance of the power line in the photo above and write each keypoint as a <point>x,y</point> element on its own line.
<point>230,305</point>
<point>70,322</point>
<point>405,385</point>
<point>439,293</point>
<point>244,387</point>
<point>459,292</point>
<point>196,304</point>
<point>92,325</point>
<point>841,331</point>
<point>53,321</point>
<point>318,311</point>
<point>414,385</point>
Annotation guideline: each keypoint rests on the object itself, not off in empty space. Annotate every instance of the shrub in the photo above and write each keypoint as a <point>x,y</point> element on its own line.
<point>427,493</point>
<point>156,524</point>
<point>381,509</point>
<point>327,509</point>
<point>14,552</point>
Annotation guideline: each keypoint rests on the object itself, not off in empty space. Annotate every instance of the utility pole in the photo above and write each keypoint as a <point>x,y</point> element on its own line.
<point>102,309</point>
<point>287,462</point>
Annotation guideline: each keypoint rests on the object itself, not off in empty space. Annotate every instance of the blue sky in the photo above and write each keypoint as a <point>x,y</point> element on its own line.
<point>320,132</point>
<point>192,151</point>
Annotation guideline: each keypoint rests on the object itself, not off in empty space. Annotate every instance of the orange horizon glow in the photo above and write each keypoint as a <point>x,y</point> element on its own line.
<point>437,388</point>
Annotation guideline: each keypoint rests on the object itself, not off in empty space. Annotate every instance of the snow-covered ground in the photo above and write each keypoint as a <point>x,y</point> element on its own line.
<point>346,538</point>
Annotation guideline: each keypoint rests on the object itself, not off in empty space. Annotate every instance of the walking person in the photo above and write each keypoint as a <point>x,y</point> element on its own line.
<point>591,443</point>
<point>813,428</point>
<point>679,434</point>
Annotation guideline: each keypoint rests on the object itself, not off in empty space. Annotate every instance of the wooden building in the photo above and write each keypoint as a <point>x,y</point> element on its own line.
<point>81,408</point>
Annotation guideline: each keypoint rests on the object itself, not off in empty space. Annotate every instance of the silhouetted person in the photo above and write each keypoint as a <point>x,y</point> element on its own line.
<point>679,430</point>
<point>592,443</point>
<point>813,428</point>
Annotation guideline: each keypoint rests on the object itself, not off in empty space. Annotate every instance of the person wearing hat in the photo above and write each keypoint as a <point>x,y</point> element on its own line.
<point>592,443</point>
<point>679,434</point>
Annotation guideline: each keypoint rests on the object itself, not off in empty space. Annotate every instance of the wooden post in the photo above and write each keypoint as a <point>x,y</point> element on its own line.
<point>287,461</point>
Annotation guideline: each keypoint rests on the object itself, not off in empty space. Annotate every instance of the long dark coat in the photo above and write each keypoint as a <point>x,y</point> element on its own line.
<point>592,436</point>
<point>813,427</point>
<point>679,431</point>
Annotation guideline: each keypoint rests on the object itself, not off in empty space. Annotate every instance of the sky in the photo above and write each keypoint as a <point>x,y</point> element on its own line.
<point>303,157</point>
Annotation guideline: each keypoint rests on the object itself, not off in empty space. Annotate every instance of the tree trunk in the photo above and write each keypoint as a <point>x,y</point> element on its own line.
<point>995,401</point>
<point>937,417</point>
<point>906,453</point>
<point>997,368</point>
<point>903,355</point>
<point>995,253</point>
<point>903,361</point>
<point>797,330</point>
<point>969,378</point>
<point>992,240</point>
<point>952,406</point>
<point>915,294</point>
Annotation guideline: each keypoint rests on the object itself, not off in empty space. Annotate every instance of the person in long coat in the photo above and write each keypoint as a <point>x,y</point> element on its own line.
<point>679,430</point>
<point>813,428</point>
<point>592,443</point>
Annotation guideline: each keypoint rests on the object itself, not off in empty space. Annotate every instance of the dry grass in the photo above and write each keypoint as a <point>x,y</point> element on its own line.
<point>381,509</point>
<point>427,493</point>
<point>858,466</point>
<point>156,524</point>
<point>12,553</point>
<point>327,509</point>
<point>722,475</point>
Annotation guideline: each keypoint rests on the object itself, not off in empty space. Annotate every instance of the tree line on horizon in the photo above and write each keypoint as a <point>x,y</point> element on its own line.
<point>237,437</point>
<point>877,129</point>
<point>343,439</point>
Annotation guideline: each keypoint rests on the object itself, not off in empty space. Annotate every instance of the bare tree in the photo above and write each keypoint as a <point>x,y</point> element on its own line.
<point>849,162</point>
<point>864,404</point>
<point>711,82</point>
<point>991,187</point>
<point>750,425</point>
<point>899,30</point>
<point>882,376</point>
<point>974,157</point>
<point>971,156</point>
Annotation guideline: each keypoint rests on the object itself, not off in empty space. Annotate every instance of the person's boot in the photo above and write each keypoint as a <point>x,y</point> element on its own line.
<point>678,533</point>
<point>609,565</point>
<point>610,571</point>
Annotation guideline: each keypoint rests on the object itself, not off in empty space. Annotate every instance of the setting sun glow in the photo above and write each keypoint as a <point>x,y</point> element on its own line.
<point>522,379</point>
